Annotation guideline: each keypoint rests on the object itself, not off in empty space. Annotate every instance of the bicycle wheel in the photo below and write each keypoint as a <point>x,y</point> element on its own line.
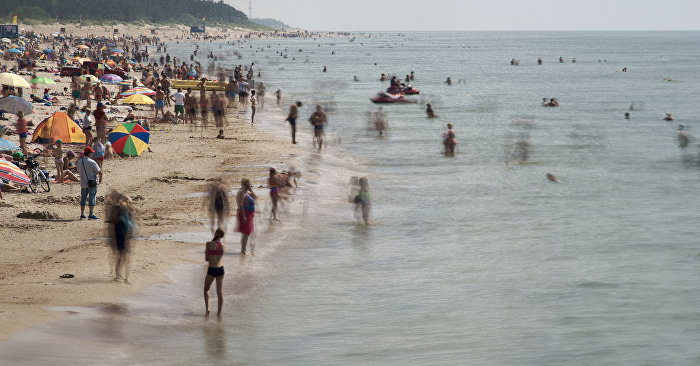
<point>33,180</point>
<point>44,182</point>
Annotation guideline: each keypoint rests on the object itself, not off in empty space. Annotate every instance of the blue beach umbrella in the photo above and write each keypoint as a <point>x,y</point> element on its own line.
<point>13,104</point>
<point>118,50</point>
<point>6,145</point>
<point>14,50</point>
<point>48,50</point>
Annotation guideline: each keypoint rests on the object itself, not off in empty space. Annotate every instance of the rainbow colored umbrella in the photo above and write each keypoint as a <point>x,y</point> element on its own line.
<point>129,138</point>
<point>138,90</point>
<point>12,173</point>
<point>130,83</point>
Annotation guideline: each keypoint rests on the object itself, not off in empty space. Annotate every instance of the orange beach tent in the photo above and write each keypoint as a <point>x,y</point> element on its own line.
<point>59,126</point>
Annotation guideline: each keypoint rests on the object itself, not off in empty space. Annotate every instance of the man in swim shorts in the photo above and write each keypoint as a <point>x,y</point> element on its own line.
<point>292,119</point>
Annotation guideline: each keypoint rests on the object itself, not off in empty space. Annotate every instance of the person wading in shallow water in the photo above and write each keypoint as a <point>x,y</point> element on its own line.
<point>213,253</point>
<point>245,200</point>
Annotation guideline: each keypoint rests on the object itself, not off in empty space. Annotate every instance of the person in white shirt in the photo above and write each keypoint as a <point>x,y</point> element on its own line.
<point>88,170</point>
<point>179,100</point>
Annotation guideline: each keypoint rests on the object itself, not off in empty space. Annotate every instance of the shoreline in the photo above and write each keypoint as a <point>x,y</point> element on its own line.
<point>161,184</point>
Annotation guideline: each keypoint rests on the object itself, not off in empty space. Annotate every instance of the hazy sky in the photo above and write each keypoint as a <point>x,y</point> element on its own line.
<point>400,15</point>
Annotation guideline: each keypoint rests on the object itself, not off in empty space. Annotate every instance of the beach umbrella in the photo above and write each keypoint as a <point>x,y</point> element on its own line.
<point>112,78</point>
<point>88,79</point>
<point>13,173</point>
<point>129,138</point>
<point>13,80</point>
<point>138,90</point>
<point>14,50</point>
<point>6,40</point>
<point>7,145</point>
<point>13,104</point>
<point>130,83</point>
<point>43,80</point>
<point>48,50</point>
<point>117,50</point>
<point>138,99</point>
<point>59,126</point>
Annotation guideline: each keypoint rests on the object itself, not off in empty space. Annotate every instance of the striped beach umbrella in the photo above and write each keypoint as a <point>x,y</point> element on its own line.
<point>129,138</point>
<point>12,173</point>
<point>130,83</point>
<point>138,90</point>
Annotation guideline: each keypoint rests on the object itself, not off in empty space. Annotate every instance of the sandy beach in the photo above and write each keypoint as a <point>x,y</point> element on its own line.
<point>35,252</point>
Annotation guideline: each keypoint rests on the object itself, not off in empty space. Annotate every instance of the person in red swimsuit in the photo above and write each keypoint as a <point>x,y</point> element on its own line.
<point>245,200</point>
<point>213,254</point>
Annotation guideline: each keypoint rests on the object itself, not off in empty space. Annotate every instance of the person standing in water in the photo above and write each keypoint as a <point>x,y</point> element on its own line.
<point>213,254</point>
<point>450,141</point>
<point>292,119</point>
<point>429,111</point>
<point>318,119</point>
<point>273,181</point>
<point>245,200</point>
<point>119,217</point>
<point>362,200</point>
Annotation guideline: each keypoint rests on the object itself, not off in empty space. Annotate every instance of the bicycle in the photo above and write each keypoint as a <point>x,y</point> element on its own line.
<point>36,176</point>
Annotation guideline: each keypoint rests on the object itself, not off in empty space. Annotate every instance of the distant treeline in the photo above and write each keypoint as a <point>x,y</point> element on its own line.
<point>156,11</point>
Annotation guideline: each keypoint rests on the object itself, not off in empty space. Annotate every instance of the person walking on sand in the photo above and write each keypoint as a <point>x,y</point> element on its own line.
<point>252,106</point>
<point>191,109</point>
<point>160,103</point>
<point>245,200</point>
<point>292,119</point>
<point>213,254</point>
<point>88,170</point>
<point>218,205</point>
<point>318,119</point>
<point>119,216</point>
<point>22,132</point>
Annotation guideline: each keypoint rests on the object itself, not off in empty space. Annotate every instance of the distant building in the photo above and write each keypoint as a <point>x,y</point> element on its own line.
<point>10,31</point>
<point>197,29</point>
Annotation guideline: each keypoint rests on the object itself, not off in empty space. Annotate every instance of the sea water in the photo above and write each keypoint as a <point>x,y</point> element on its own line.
<point>476,259</point>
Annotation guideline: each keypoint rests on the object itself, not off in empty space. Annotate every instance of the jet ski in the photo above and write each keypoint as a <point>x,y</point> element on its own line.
<point>383,97</point>
<point>405,89</point>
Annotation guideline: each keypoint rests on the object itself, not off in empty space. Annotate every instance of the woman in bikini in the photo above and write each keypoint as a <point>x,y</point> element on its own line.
<point>252,106</point>
<point>273,183</point>
<point>245,199</point>
<point>213,254</point>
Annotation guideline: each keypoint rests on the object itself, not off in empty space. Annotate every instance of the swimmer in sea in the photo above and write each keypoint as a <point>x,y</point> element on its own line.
<point>669,117</point>
<point>448,81</point>
<point>552,178</point>
<point>429,111</point>
<point>683,137</point>
<point>627,115</point>
<point>213,254</point>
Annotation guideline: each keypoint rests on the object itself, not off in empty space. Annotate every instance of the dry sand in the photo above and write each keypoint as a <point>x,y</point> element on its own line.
<point>35,252</point>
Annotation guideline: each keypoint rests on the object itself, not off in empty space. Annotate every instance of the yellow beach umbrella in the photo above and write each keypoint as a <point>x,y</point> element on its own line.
<point>13,80</point>
<point>138,99</point>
